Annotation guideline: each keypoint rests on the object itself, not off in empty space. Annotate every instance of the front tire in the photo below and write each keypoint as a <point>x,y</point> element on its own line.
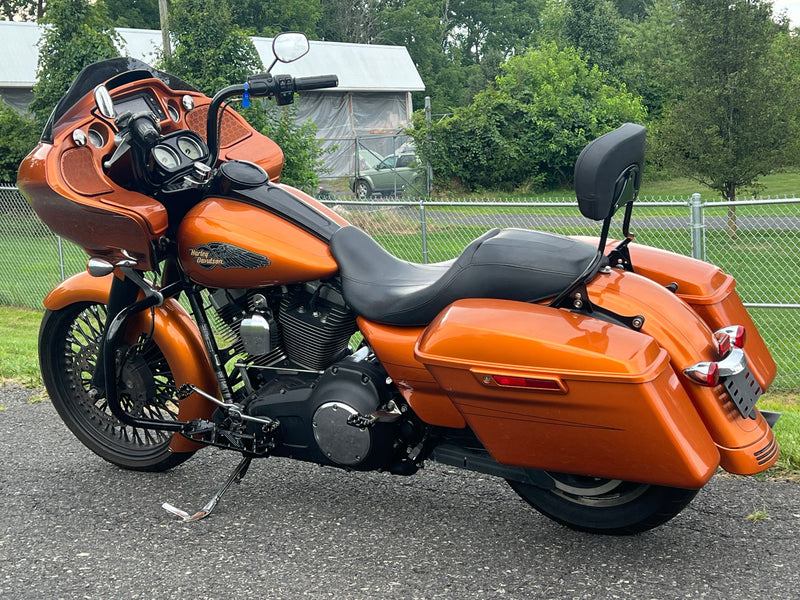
<point>69,339</point>
<point>608,506</point>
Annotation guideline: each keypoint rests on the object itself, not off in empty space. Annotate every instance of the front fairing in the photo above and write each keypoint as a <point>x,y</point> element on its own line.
<point>113,72</point>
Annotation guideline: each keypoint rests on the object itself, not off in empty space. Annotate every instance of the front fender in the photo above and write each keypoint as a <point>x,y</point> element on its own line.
<point>174,332</point>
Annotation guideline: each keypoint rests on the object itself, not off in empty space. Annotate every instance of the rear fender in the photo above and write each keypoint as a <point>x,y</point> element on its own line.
<point>174,332</point>
<point>746,445</point>
<point>711,294</point>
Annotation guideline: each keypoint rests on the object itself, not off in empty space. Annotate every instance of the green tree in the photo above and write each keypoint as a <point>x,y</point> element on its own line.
<point>458,46</point>
<point>732,123</point>
<point>634,10</point>
<point>529,128</point>
<point>493,28</point>
<point>211,52</point>
<point>18,135</point>
<point>303,154</point>
<point>257,17</point>
<point>593,27</point>
<point>78,34</point>
<point>650,56</point>
<point>26,10</point>
<point>423,28</point>
<point>140,14</point>
<point>352,21</point>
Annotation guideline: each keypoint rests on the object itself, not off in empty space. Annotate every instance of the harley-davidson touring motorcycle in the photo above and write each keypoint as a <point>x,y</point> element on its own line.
<point>605,381</point>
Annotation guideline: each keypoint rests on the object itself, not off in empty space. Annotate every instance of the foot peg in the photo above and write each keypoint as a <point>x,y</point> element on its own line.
<point>238,473</point>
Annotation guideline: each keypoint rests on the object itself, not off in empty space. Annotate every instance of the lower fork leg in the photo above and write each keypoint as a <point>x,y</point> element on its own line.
<point>238,473</point>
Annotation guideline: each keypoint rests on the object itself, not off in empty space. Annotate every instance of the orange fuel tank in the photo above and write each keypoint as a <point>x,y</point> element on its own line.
<point>256,234</point>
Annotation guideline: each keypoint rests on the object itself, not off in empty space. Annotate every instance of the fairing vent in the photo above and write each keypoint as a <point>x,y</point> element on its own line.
<point>232,130</point>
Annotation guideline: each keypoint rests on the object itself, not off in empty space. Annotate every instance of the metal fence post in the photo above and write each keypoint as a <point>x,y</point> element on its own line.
<point>424,230</point>
<point>61,258</point>
<point>428,168</point>
<point>698,228</point>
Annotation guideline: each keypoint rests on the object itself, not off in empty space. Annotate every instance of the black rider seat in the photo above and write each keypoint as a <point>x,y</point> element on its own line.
<point>508,264</point>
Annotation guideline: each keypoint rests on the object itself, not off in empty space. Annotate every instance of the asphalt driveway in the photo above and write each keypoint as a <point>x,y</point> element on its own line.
<point>73,526</point>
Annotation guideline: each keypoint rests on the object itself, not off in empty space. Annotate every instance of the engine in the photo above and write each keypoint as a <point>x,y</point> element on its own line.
<point>293,364</point>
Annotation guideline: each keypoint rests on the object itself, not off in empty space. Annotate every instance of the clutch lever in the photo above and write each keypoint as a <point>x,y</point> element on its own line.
<point>141,128</point>
<point>123,143</point>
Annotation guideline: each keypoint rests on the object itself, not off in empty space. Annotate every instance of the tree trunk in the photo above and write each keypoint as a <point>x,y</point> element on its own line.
<point>730,196</point>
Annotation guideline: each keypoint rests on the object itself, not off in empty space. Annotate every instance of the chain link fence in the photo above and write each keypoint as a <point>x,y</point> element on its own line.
<point>758,242</point>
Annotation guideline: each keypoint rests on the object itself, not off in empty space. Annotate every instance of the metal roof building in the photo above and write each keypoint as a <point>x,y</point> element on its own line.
<point>373,98</point>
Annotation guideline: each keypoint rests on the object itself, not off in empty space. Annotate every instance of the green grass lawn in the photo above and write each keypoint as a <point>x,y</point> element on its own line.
<point>19,331</point>
<point>657,186</point>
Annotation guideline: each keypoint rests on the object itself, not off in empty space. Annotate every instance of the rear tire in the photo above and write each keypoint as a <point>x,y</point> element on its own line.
<point>68,354</point>
<point>608,506</point>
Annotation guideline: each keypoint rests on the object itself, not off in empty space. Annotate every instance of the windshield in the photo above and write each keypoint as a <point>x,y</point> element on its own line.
<point>114,71</point>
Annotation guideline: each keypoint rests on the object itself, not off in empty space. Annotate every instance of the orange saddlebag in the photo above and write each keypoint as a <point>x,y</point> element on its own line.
<point>550,389</point>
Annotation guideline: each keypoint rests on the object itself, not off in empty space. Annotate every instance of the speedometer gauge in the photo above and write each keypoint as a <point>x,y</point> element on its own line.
<point>166,157</point>
<point>190,148</point>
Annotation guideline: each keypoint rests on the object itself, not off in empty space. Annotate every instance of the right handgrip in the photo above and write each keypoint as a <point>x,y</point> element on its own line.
<point>316,82</point>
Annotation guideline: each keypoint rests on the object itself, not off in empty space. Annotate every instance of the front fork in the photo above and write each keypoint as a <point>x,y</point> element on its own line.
<point>123,304</point>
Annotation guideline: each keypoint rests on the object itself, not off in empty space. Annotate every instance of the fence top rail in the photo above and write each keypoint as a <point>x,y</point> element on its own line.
<point>754,202</point>
<point>563,203</point>
<point>476,203</point>
<point>643,202</point>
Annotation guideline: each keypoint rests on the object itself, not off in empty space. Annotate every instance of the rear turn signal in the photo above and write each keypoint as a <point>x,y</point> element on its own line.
<point>704,373</point>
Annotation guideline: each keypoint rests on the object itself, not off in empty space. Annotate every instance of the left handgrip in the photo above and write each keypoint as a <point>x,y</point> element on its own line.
<point>145,129</point>
<point>316,82</point>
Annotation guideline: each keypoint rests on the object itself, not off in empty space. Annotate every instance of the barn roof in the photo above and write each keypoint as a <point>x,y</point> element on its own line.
<point>360,67</point>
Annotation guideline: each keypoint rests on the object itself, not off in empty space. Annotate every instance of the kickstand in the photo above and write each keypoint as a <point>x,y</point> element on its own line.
<point>237,475</point>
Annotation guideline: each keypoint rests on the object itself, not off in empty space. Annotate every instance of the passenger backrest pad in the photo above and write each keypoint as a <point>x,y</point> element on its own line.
<point>602,163</point>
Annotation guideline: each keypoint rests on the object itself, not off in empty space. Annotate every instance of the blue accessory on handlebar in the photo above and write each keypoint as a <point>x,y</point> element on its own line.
<point>246,96</point>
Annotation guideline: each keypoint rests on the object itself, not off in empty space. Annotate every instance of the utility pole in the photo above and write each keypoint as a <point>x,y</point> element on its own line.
<point>162,17</point>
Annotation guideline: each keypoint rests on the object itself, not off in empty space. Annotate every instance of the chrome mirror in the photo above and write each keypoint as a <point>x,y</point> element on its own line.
<point>290,46</point>
<point>103,101</point>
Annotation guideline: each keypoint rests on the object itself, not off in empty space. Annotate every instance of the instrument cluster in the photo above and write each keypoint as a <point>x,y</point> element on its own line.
<point>179,151</point>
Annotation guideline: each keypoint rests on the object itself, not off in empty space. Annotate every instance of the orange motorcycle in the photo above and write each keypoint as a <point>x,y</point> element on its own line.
<point>605,381</point>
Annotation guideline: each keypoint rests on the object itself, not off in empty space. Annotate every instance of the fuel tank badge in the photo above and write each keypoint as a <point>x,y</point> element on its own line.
<point>227,256</point>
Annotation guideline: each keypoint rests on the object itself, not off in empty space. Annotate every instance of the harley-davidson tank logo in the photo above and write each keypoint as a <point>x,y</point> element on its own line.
<point>227,256</point>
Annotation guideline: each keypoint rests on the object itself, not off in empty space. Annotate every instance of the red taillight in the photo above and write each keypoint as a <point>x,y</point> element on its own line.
<point>724,344</point>
<point>704,373</point>
<point>531,383</point>
<point>736,334</point>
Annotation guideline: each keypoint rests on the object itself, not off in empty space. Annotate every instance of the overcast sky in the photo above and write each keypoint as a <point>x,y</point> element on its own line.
<point>792,8</point>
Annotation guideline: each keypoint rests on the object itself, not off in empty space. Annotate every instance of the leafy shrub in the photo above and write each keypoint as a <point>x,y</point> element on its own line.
<point>529,128</point>
<point>18,135</point>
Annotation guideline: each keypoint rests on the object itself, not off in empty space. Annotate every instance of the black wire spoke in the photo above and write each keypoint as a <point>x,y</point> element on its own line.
<point>154,393</point>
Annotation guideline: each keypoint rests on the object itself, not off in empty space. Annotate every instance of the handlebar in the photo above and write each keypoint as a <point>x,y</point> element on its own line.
<point>315,83</point>
<point>264,85</point>
<point>145,129</point>
<point>283,87</point>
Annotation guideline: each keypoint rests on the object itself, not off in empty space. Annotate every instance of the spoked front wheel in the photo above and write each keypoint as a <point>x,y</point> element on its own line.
<point>69,340</point>
<point>608,506</point>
